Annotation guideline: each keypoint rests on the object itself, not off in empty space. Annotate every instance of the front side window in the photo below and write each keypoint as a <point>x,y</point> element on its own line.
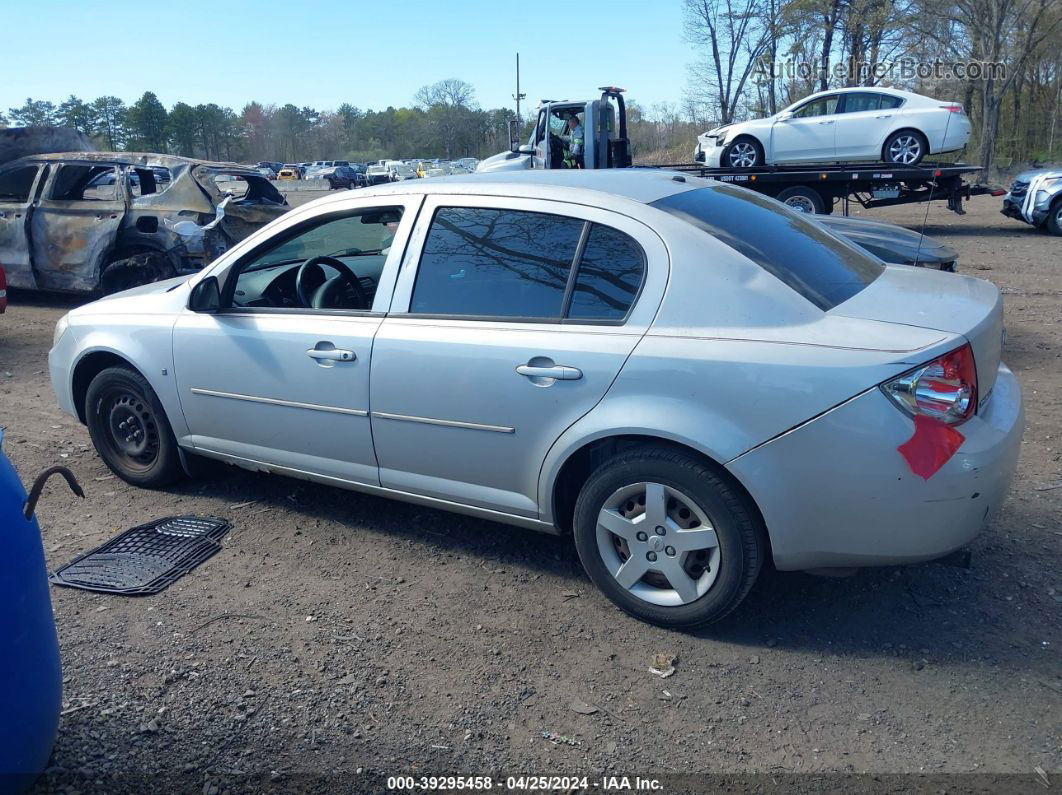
<point>495,263</point>
<point>799,252</point>
<point>331,263</point>
<point>823,106</point>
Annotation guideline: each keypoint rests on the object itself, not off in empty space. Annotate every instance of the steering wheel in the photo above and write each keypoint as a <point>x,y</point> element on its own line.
<point>327,290</point>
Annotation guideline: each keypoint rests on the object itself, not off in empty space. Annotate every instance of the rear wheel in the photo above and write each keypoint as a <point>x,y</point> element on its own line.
<point>129,429</point>
<point>666,539</point>
<point>136,270</point>
<point>803,200</point>
<point>905,148</point>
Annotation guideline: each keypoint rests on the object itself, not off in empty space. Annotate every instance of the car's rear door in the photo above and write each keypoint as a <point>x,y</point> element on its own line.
<point>277,381</point>
<point>74,224</point>
<point>864,119</point>
<point>18,186</point>
<point>495,345</point>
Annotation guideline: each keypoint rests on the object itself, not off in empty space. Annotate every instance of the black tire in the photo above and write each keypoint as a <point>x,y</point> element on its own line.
<point>1054,218</point>
<point>748,149</point>
<point>898,139</point>
<point>740,534</point>
<point>804,200</point>
<point>120,400</point>
<point>134,271</point>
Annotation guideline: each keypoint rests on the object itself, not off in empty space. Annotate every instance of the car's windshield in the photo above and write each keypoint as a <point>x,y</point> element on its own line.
<point>815,263</point>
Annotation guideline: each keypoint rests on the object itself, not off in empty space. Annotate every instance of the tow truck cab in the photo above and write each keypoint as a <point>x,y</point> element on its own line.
<point>604,133</point>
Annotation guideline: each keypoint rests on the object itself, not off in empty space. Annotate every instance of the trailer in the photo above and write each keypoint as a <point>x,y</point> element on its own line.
<point>806,188</point>
<point>820,188</point>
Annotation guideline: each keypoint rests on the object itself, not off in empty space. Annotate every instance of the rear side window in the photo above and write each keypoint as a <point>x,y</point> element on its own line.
<point>889,102</point>
<point>495,263</point>
<point>15,184</point>
<point>77,182</point>
<point>797,251</point>
<point>610,273</point>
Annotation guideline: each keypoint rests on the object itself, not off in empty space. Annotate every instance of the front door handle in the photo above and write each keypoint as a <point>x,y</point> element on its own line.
<point>560,372</point>
<point>886,116</point>
<point>331,354</point>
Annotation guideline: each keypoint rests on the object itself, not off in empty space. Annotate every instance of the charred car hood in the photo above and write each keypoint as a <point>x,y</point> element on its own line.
<point>889,242</point>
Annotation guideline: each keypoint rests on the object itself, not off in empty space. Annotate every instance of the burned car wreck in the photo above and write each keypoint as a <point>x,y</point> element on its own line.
<point>108,221</point>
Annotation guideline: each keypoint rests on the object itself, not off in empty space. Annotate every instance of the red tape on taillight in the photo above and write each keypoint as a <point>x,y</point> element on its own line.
<point>930,447</point>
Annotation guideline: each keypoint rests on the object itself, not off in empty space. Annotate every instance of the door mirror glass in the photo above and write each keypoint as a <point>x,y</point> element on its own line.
<point>206,296</point>
<point>514,135</point>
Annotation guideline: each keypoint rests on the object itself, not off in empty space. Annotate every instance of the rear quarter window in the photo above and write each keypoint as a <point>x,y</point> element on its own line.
<point>820,267</point>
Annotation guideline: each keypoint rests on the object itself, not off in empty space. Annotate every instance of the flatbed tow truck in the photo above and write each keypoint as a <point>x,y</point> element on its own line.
<point>817,188</point>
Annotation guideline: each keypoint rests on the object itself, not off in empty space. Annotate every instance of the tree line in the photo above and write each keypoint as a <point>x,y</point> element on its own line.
<point>444,120</point>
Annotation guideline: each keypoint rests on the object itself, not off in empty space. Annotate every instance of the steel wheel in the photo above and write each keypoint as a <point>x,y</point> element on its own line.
<point>802,204</point>
<point>132,431</point>
<point>905,149</point>
<point>743,154</point>
<point>658,544</point>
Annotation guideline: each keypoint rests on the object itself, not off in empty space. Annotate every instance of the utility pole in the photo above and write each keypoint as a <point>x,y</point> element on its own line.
<point>518,96</point>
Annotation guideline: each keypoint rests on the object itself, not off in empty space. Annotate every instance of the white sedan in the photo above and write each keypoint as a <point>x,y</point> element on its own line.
<point>688,376</point>
<point>849,124</point>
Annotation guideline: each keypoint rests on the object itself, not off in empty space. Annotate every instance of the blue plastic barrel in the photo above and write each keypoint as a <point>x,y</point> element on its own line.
<point>31,677</point>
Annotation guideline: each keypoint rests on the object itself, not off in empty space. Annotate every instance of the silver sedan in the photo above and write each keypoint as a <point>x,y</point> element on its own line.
<point>687,376</point>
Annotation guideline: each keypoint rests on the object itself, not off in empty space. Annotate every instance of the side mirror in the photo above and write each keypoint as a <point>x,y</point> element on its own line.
<point>206,296</point>
<point>525,149</point>
<point>785,115</point>
<point>514,135</point>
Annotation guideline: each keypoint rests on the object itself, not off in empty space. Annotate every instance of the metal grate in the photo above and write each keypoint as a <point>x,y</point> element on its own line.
<point>145,559</point>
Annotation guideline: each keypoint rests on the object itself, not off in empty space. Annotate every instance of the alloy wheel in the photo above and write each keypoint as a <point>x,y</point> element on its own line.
<point>658,544</point>
<point>906,149</point>
<point>743,155</point>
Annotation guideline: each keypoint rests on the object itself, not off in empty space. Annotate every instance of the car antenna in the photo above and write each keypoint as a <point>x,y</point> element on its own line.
<point>925,219</point>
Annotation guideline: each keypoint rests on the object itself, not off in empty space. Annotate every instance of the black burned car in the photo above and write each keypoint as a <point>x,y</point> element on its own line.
<point>107,221</point>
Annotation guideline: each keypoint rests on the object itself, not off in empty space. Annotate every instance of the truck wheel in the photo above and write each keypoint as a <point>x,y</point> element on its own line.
<point>905,148</point>
<point>742,153</point>
<point>1054,218</point>
<point>803,200</point>
<point>666,539</point>
<point>134,271</point>
<point>129,429</point>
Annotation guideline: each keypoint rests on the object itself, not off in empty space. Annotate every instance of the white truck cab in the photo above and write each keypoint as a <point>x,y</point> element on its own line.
<point>604,123</point>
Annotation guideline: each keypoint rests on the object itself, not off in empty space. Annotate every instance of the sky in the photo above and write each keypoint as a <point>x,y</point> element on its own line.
<point>322,53</point>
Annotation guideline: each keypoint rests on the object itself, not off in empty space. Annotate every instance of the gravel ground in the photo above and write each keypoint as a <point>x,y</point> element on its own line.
<point>338,637</point>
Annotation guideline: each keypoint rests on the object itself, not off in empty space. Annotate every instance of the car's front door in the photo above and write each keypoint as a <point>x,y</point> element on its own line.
<point>864,118</point>
<point>495,343</point>
<point>808,135</point>
<point>280,375</point>
<point>16,199</point>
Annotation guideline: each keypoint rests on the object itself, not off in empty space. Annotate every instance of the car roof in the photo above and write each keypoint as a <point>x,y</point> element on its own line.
<point>895,92</point>
<point>139,159</point>
<point>642,185</point>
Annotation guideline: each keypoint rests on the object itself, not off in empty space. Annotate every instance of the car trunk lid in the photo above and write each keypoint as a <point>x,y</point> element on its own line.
<point>939,301</point>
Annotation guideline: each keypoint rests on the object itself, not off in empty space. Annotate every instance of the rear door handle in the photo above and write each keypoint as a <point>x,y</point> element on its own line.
<point>334,354</point>
<point>825,122</point>
<point>561,372</point>
<point>886,116</point>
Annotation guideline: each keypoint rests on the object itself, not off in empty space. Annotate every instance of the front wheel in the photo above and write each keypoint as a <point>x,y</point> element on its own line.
<point>129,429</point>
<point>666,538</point>
<point>905,148</point>
<point>1054,218</point>
<point>742,153</point>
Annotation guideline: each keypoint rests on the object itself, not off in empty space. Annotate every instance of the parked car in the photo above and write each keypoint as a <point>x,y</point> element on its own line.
<point>891,243</point>
<point>3,290</point>
<point>680,446</point>
<point>87,221</point>
<point>341,177</point>
<point>843,125</point>
<point>267,172</point>
<point>377,174</point>
<point>288,174</point>
<point>296,168</point>
<point>1036,198</point>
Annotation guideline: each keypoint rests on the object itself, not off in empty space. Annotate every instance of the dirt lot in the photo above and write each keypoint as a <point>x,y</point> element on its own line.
<point>339,635</point>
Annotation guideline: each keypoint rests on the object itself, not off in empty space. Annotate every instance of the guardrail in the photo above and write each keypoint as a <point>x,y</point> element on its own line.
<point>289,185</point>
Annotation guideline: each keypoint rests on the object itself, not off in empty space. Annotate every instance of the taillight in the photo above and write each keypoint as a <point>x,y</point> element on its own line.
<point>953,108</point>
<point>944,389</point>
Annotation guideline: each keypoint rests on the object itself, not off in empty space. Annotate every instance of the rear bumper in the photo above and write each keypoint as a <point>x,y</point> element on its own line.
<point>836,491</point>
